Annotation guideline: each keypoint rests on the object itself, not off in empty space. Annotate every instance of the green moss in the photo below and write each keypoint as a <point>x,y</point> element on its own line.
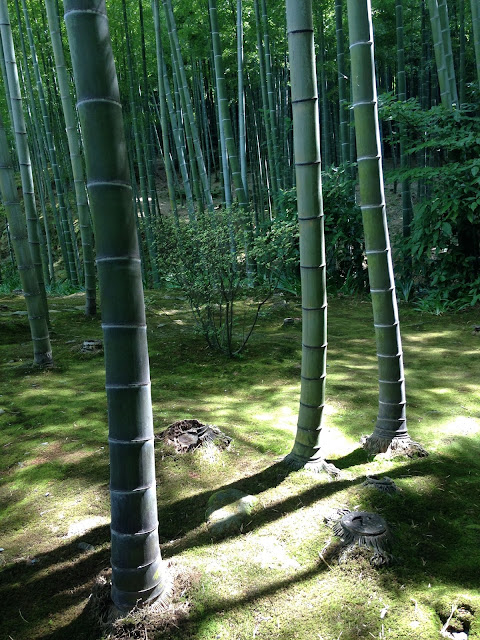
<point>269,581</point>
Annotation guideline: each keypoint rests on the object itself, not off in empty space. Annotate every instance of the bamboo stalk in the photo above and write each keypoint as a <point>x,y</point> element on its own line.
<point>138,573</point>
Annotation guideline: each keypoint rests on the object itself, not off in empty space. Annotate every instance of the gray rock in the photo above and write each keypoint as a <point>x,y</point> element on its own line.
<point>91,346</point>
<point>227,511</point>
<point>385,484</point>
<point>84,546</point>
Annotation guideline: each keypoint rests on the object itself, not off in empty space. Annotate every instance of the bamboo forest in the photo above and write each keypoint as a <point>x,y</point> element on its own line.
<point>240,319</point>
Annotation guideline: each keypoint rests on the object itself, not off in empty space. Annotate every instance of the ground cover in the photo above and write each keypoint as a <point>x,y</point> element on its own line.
<point>280,577</point>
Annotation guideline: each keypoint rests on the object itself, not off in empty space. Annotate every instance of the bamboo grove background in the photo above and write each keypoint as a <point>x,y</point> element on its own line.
<point>207,107</point>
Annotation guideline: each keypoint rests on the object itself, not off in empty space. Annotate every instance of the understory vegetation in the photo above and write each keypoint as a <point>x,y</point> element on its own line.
<point>438,265</point>
<point>280,577</point>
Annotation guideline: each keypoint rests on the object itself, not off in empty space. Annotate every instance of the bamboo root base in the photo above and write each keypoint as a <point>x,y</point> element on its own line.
<point>393,447</point>
<point>316,466</point>
<point>44,360</point>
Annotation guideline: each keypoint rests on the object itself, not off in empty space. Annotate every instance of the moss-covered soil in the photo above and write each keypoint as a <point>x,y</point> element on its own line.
<point>280,577</point>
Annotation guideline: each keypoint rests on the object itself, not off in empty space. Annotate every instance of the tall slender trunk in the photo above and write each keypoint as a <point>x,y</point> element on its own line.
<point>179,146</point>
<point>162,104</point>
<point>5,81</point>
<point>323,95</point>
<point>86,233</point>
<point>272,121</point>
<point>23,151</point>
<point>407,212</point>
<point>476,35</point>
<point>226,123</point>
<point>42,351</point>
<point>265,110</point>
<point>306,450</point>
<point>342,84</point>
<point>139,155</point>
<point>440,54</point>
<point>242,148</point>
<point>447,45</point>
<point>52,152</point>
<point>391,429</point>
<point>187,102</point>
<point>461,52</point>
<point>138,574</point>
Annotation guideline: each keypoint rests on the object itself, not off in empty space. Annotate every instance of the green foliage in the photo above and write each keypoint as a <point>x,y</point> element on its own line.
<point>216,266</point>
<point>345,246</point>
<point>443,250</point>
<point>9,280</point>
<point>344,242</point>
<point>63,288</point>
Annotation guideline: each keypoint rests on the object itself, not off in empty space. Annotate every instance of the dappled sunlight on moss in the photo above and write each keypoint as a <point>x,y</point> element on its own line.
<point>254,400</point>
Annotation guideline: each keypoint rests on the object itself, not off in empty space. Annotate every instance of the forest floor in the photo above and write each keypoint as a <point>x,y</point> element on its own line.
<point>280,577</point>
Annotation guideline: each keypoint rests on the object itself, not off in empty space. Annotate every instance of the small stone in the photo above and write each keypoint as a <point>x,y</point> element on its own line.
<point>459,635</point>
<point>84,546</point>
<point>2,411</point>
<point>47,494</point>
<point>288,321</point>
<point>227,511</point>
<point>1,549</point>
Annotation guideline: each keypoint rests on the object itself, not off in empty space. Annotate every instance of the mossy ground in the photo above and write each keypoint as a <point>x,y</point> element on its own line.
<point>280,577</point>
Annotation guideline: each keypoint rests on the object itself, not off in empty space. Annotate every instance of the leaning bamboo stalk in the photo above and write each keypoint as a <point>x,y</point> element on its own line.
<point>3,69</point>
<point>390,432</point>
<point>34,134</point>
<point>42,351</point>
<point>23,151</point>
<point>179,145</point>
